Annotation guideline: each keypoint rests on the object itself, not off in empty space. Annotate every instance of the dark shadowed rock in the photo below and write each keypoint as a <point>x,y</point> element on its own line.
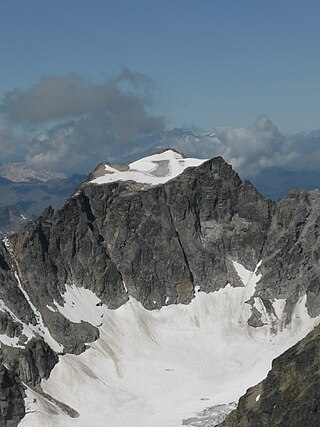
<point>289,396</point>
<point>290,254</point>
<point>11,398</point>
<point>161,241</point>
<point>32,363</point>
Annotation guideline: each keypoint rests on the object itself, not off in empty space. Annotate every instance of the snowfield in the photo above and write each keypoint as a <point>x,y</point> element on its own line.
<point>154,170</point>
<point>163,368</point>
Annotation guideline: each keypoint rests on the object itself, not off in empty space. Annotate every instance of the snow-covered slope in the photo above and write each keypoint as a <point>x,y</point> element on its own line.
<point>163,368</point>
<point>155,169</point>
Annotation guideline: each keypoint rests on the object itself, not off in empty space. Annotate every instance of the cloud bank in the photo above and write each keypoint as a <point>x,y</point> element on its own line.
<point>68,124</point>
<point>12,145</point>
<point>253,148</point>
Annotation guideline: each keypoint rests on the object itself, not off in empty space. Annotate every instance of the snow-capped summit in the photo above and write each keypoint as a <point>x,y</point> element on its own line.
<point>156,169</point>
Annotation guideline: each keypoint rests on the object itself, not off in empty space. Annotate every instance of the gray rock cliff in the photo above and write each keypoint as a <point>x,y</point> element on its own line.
<point>156,244</point>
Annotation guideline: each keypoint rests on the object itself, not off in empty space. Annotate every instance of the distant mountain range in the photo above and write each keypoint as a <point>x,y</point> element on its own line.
<point>20,172</point>
<point>275,182</point>
<point>26,193</point>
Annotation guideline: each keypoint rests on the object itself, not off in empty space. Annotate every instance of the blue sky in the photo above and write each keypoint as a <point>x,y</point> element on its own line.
<point>212,62</point>
<point>91,78</point>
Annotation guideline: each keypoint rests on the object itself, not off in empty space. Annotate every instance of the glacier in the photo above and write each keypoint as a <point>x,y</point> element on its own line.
<point>165,367</point>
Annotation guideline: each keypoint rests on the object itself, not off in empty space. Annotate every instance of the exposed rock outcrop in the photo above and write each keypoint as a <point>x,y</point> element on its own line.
<point>289,396</point>
<point>160,240</point>
<point>11,398</point>
<point>156,243</point>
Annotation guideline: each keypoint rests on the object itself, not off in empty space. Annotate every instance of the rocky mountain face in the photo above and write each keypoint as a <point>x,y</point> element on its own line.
<point>161,241</point>
<point>289,396</point>
<point>157,244</point>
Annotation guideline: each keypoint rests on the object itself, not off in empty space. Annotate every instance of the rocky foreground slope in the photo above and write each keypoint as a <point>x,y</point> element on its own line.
<point>290,395</point>
<point>125,249</point>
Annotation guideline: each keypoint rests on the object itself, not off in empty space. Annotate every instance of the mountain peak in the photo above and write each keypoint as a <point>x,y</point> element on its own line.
<point>153,170</point>
<point>173,150</point>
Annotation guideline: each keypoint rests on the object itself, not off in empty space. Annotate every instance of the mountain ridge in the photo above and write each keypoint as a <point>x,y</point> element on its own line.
<point>158,245</point>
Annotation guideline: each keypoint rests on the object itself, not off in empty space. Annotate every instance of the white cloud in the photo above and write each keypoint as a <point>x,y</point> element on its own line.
<point>253,148</point>
<point>11,144</point>
<point>85,122</point>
